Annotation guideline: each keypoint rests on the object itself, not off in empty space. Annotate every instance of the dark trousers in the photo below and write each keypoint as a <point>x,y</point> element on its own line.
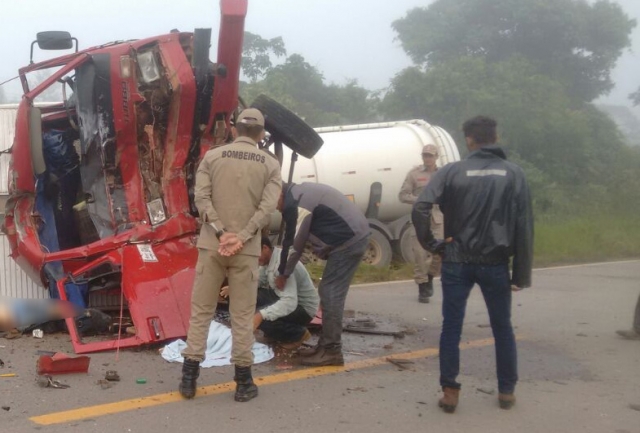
<point>337,275</point>
<point>285,329</point>
<point>457,281</point>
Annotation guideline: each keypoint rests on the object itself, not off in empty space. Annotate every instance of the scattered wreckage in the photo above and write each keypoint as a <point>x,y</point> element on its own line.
<point>101,184</point>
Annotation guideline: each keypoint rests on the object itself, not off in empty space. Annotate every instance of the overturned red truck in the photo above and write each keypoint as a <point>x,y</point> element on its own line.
<point>101,184</point>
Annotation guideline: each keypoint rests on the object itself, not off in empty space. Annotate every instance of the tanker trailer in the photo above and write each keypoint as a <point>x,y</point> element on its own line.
<point>368,163</point>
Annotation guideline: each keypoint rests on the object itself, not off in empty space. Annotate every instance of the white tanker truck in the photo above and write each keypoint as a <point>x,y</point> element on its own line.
<point>368,163</point>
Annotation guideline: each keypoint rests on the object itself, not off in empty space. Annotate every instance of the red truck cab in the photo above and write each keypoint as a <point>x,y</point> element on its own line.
<point>101,185</point>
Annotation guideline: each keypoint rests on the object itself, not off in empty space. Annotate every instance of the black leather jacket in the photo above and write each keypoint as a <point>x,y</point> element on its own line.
<point>486,204</point>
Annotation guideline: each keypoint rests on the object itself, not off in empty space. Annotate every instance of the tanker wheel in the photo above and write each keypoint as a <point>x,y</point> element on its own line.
<point>286,127</point>
<point>406,243</point>
<point>379,251</point>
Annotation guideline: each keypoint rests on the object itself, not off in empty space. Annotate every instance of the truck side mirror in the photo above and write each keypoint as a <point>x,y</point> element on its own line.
<point>53,40</point>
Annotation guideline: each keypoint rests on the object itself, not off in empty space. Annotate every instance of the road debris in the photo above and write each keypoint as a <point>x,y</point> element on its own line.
<point>37,333</point>
<point>7,408</point>
<point>61,363</point>
<point>112,376</point>
<point>8,375</point>
<point>104,383</point>
<point>358,388</point>
<point>403,364</point>
<point>47,381</point>
<point>369,326</point>
<point>489,391</point>
<point>11,335</point>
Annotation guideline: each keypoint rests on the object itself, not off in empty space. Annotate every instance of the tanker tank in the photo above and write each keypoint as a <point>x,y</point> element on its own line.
<point>368,163</point>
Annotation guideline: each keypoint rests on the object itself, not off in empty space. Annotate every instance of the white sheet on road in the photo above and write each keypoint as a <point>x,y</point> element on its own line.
<point>218,348</point>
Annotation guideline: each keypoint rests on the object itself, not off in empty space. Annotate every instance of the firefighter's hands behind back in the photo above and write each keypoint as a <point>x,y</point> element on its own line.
<point>230,244</point>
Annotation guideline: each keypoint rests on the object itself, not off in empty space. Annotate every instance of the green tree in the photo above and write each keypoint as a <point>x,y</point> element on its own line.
<point>257,52</point>
<point>559,145</point>
<point>300,87</point>
<point>572,41</point>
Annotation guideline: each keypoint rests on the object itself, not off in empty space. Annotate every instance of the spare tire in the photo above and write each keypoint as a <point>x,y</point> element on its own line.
<point>287,128</point>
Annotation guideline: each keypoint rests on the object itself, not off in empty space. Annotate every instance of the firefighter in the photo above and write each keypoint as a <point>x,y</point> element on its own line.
<point>237,189</point>
<point>426,265</point>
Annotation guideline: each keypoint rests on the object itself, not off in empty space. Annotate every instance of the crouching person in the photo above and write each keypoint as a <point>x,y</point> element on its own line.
<point>283,315</point>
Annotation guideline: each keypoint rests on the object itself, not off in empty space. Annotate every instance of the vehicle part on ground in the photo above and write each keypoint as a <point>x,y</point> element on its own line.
<point>61,363</point>
<point>369,326</point>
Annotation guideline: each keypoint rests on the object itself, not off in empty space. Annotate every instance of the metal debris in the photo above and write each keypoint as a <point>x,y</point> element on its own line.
<point>47,381</point>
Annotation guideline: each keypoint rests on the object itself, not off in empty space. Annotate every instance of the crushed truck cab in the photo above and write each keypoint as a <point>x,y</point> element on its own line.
<point>101,185</point>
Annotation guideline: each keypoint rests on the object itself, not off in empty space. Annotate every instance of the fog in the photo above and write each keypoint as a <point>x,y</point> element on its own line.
<point>343,39</point>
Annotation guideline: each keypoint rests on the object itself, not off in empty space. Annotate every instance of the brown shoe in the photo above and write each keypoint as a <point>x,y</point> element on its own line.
<point>324,357</point>
<point>295,344</point>
<point>629,335</point>
<point>305,352</point>
<point>449,400</point>
<point>506,401</point>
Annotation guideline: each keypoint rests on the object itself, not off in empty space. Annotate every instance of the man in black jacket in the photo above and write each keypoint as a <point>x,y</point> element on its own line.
<point>488,219</point>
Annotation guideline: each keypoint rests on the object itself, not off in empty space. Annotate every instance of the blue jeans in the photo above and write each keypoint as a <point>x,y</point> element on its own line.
<point>336,278</point>
<point>457,281</point>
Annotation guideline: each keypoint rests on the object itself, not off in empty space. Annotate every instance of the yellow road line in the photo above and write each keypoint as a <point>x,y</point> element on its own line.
<point>170,397</point>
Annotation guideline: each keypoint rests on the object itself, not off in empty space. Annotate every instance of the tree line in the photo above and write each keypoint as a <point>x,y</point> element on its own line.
<point>535,65</point>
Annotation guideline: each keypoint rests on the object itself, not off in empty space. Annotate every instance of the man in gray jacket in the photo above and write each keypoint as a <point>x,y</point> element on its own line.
<point>487,220</point>
<point>339,233</point>
<point>283,315</point>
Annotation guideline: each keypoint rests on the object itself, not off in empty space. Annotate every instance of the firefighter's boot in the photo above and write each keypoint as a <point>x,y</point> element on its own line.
<point>190,373</point>
<point>245,388</point>
<point>430,286</point>
<point>423,290</point>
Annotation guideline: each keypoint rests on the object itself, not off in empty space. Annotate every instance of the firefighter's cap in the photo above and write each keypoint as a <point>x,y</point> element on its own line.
<point>251,116</point>
<point>430,149</point>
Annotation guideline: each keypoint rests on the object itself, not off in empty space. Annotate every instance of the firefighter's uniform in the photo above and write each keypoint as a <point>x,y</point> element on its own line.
<point>424,262</point>
<point>237,189</point>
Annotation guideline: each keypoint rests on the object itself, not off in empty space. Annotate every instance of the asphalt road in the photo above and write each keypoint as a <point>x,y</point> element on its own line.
<point>576,375</point>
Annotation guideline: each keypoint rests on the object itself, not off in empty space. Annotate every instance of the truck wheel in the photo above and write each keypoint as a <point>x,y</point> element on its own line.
<point>379,250</point>
<point>406,243</point>
<point>287,128</point>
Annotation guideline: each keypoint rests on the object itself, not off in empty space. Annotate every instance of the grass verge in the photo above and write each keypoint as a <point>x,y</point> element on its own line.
<point>583,239</point>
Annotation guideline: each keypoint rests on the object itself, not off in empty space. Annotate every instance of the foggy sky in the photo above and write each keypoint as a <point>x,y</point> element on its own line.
<point>343,39</point>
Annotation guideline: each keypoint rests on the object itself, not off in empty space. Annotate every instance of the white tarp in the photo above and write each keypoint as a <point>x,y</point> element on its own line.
<point>218,348</point>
